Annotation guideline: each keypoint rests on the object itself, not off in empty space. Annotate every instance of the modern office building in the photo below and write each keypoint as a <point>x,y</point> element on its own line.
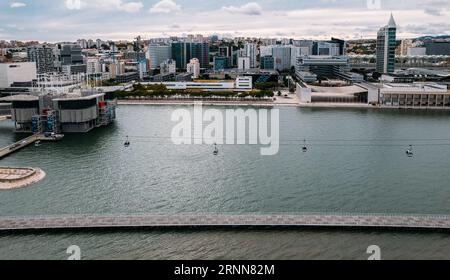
<point>193,68</point>
<point>157,54</point>
<point>250,50</point>
<point>341,44</point>
<point>74,69</point>
<point>416,51</point>
<point>386,47</point>
<point>312,68</point>
<point>23,72</point>
<point>225,51</point>
<point>70,54</point>
<point>221,63</point>
<point>327,48</point>
<point>93,66</point>
<point>267,62</point>
<point>134,56</point>
<point>282,57</point>
<point>183,52</point>
<point>42,55</point>
<point>438,47</point>
<point>265,50</point>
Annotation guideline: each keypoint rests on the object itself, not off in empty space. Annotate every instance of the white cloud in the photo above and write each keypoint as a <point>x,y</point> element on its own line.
<point>17,5</point>
<point>129,7</point>
<point>252,9</point>
<point>165,6</point>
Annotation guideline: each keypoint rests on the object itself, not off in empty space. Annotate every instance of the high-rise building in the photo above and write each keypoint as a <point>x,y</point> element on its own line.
<point>221,63</point>
<point>67,54</point>
<point>282,57</point>
<point>327,48</point>
<point>157,54</point>
<point>224,51</point>
<point>93,66</point>
<point>250,50</point>
<point>386,46</point>
<point>82,43</point>
<point>183,52</point>
<point>265,51</point>
<point>43,56</point>
<point>267,63</point>
<point>193,67</point>
<point>244,63</point>
<point>168,67</point>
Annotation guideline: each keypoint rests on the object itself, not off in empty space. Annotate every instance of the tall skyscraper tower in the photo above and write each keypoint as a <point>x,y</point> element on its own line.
<point>386,45</point>
<point>250,50</point>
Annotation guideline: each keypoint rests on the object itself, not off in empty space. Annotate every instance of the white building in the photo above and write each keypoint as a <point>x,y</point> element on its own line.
<point>168,67</point>
<point>17,72</point>
<point>416,95</point>
<point>157,54</point>
<point>416,51</point>
<point>93,66</point>
<point>244,83</point>
<point>265,51</point>
<point>193,67</point>
<point>250,52</point>
<point>244,63</point>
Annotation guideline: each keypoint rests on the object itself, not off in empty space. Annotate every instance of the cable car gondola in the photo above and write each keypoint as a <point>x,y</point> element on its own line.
<point>410,152</point>
<point>127,143</point>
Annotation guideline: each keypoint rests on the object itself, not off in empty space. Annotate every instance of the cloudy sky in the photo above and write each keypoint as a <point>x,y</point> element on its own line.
<point>68,20</point>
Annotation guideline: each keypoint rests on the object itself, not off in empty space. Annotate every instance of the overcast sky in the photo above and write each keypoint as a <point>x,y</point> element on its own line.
<point>68,20</point>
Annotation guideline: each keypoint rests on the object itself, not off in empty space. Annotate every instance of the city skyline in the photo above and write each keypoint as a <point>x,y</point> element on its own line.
<point>53,21</point>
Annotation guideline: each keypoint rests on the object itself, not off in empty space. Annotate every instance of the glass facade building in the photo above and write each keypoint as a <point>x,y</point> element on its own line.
<point>386,46</point>
<point>183,52</point>
<point>221,63</point>
<point>267,63</point>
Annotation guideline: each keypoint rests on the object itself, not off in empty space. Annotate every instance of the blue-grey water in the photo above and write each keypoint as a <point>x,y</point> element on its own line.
<point>356,163</point>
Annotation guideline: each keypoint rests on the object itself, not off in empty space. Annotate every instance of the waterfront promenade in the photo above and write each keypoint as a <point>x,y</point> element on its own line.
<point>211,220</point>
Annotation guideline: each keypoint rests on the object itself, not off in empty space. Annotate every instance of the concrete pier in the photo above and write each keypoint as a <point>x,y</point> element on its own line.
<point>210,220</point>
<point>27,141</point>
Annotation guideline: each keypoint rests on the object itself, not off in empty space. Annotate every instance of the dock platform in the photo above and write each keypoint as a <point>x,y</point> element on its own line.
<point>26,142</point>
<point>207,220</point>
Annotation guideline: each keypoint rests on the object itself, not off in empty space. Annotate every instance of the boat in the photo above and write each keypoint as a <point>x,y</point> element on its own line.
<point>127,143</point>
<point>37,143</point>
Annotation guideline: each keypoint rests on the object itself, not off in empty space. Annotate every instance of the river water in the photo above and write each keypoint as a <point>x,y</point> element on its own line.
<point>356,163</point>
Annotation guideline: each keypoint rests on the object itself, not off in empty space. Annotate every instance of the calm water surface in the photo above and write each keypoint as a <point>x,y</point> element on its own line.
<point>95,174</point>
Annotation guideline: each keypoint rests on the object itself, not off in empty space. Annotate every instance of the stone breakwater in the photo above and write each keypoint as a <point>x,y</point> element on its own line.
<point>14,178</point>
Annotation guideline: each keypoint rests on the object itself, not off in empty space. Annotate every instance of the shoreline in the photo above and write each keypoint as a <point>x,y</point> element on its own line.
<point>206,103</point>
<point>275,104</point>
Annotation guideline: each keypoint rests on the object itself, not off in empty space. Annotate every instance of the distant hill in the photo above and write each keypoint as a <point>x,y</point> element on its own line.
<point>434,37</point>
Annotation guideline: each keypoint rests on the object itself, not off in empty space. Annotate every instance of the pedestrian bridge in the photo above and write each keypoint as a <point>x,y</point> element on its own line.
<point>212,220</point>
